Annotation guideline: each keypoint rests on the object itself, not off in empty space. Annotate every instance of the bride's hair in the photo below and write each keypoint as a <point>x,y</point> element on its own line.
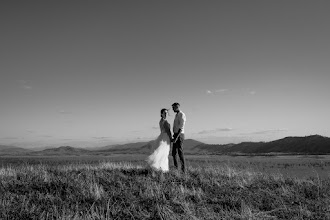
<point>162,111</point>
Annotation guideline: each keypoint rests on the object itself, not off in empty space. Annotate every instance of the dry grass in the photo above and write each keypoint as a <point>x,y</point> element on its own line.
<point>127,191</point>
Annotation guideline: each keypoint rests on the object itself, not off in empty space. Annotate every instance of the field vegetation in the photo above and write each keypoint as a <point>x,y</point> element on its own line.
<point>108,188</point>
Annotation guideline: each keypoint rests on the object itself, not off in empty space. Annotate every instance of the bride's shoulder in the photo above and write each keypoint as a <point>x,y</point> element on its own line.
<point>164,122</point>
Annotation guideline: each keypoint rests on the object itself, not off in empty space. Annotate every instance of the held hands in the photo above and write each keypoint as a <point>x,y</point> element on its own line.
<point>174,139</point>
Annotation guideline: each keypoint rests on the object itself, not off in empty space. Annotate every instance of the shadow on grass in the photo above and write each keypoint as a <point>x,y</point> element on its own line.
<point>137,172</point>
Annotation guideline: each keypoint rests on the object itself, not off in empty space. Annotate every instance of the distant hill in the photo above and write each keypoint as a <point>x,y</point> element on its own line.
<point>63,150</point>
<point>138,147</point>
<point>314,144</point>
<point>142,147</point>
<point>188,145</point>
<point>210,148</point>
<point>309,144</point>
<point>117,147</point>
<point>12,150</point>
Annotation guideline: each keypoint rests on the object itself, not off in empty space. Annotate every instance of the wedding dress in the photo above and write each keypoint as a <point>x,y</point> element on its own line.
<point>161,148</point>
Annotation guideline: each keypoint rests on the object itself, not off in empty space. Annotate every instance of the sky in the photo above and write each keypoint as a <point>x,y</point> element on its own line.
<point>94,73</point>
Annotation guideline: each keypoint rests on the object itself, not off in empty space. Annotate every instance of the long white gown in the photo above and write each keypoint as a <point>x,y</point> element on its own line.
<point>160,148</point>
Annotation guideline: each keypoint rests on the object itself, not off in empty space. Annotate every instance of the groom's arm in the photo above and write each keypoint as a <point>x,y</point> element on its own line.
<point>176,135</point>
<point>182,121</point>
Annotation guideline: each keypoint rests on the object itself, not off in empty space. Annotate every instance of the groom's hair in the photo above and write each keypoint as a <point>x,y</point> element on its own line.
<point>175,104</point>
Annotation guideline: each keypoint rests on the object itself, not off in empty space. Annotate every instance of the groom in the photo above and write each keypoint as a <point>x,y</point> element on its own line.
<point>178,136</point>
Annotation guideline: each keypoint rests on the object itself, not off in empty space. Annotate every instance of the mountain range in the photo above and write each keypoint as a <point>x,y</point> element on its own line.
<point>63,150</point>
<point>314,144</point>
<point>7,149</point>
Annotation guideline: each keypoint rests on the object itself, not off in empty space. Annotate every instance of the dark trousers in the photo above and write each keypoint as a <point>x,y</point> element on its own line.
<point>177,148</point>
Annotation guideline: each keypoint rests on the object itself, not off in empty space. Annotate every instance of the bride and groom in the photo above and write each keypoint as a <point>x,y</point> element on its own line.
<point>158,160</point>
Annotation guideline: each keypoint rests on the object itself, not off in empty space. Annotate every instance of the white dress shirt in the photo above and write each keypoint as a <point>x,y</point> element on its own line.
<point>179,122</point>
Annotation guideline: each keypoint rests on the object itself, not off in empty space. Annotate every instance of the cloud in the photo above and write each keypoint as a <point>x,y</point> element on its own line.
<point>10,138</point>
<point>46,136</point>
<point>250,91</point>
<point>155,128</point>
<point>135,131</point>
<point>25,84</point>
<point>141,138</point>
<point>27,87</point>
<point>221,90</point>
<point>270,131</point>
<point>224,91</point>
<point>216,91</point>
<point>101,138</point>
<point>64,112</point>
<point>215,131</point>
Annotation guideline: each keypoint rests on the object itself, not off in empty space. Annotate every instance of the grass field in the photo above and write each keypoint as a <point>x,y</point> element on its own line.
<point>300,166</point>
<point>121,187</point>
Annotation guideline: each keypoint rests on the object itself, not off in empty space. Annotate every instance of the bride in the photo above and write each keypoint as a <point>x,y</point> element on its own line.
<point>158,160</point>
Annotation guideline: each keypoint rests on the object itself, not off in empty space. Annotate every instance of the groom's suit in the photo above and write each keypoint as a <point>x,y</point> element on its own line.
<point>179,122</point>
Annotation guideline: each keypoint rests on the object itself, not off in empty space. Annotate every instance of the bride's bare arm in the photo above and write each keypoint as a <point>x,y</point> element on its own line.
<point>168,130</point>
